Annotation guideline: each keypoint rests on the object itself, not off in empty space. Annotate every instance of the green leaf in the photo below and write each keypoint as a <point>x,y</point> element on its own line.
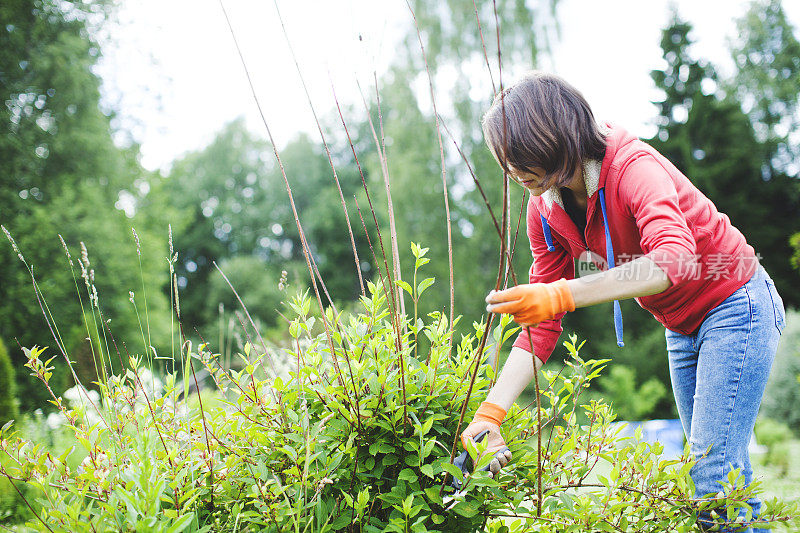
<point>408,504</point>
<point>427,469</point>
<point>426,450</point>
<point>424,284</point>
<point>181,524</point>
<point>407,474</point>
<point>467,509</point>
<point>453,470</point>
<point>405,286</point>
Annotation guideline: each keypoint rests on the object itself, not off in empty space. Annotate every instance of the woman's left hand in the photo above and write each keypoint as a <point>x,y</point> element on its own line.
<point>532,303</point>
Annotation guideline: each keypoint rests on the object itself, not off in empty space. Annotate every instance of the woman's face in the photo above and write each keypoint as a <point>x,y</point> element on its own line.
<point>530,180</point>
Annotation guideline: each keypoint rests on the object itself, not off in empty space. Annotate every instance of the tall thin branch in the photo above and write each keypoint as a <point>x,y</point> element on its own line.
<point>385,173</point>
<point>444,176</point>
<point>303,241</point>
<point>381,147</point>
<point>483,44</point>
<point>327,149</point>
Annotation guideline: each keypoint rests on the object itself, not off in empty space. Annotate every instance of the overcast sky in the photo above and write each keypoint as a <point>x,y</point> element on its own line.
<point>176,77</point>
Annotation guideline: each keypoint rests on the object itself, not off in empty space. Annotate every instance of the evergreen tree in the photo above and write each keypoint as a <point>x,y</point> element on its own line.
<point>767,54</point>
<point>706,134</point>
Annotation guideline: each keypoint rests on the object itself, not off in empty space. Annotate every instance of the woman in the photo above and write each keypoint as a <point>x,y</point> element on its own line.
<point>595,188</point>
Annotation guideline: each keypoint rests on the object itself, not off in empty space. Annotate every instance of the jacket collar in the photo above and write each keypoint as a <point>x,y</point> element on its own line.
<point>592,172</point>
<point>591,179</point>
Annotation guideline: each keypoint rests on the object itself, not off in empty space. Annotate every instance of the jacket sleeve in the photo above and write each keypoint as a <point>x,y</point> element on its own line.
<point>647,190</point>
<point>547,267</point>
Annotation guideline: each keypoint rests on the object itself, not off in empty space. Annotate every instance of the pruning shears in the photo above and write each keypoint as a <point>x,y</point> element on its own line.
<point>464,463</point>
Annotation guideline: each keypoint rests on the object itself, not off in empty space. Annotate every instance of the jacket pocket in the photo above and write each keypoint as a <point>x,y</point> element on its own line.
<point>777,305</point>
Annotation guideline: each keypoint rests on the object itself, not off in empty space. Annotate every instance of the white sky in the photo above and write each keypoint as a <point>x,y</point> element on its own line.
<point>176,77</point>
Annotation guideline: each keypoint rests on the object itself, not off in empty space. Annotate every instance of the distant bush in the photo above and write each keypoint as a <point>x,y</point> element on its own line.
<point>782,395</point>
<point>9,409</point>
<point>630,402</point>
<point>775,436</point>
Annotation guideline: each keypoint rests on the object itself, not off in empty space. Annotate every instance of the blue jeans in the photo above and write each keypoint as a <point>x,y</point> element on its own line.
<point>718,377</point>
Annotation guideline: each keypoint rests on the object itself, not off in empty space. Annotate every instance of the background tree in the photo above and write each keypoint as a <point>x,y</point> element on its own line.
<point>766,52</point>
<point>63,175</point>
<point>232,206</point>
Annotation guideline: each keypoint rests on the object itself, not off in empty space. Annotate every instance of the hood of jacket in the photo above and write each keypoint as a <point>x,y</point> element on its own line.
<point>618,143</point>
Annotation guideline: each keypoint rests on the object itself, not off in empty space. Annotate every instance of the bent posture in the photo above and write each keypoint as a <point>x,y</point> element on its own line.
<point>597,189</point>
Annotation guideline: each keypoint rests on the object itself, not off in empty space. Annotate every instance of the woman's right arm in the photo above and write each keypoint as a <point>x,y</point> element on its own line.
<point>518,369</point>
<point>515,376</point>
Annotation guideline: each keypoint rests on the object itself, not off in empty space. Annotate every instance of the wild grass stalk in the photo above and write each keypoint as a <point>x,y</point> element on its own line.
<point>89,335</point>
<point>54,331</point>
<point>144,288</point>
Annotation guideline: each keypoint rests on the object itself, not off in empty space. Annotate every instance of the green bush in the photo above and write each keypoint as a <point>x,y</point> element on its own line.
<point>356,436</point>
<point>630,402</point>
<point>8,387</point>
<point>782,395</point>
<point>774,435</point>
<point>12,506</point>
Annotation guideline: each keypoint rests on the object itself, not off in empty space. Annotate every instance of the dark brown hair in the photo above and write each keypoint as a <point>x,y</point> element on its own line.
<point>548,124</point>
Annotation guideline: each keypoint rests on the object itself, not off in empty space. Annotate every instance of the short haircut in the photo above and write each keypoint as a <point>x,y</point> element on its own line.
<point>548,124</point>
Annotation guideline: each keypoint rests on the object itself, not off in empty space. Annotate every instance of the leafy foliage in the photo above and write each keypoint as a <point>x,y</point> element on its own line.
<point>348,431</point>
<point>774,435</point>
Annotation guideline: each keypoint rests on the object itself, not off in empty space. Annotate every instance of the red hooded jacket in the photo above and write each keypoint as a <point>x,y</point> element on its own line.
<point>651,209</point>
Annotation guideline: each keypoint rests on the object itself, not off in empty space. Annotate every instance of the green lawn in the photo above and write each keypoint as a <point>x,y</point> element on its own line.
<point>781,477</point>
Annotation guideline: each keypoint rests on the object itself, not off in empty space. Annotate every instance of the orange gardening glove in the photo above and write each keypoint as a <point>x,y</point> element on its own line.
<point>532,303</point>
<point>489,416</point>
